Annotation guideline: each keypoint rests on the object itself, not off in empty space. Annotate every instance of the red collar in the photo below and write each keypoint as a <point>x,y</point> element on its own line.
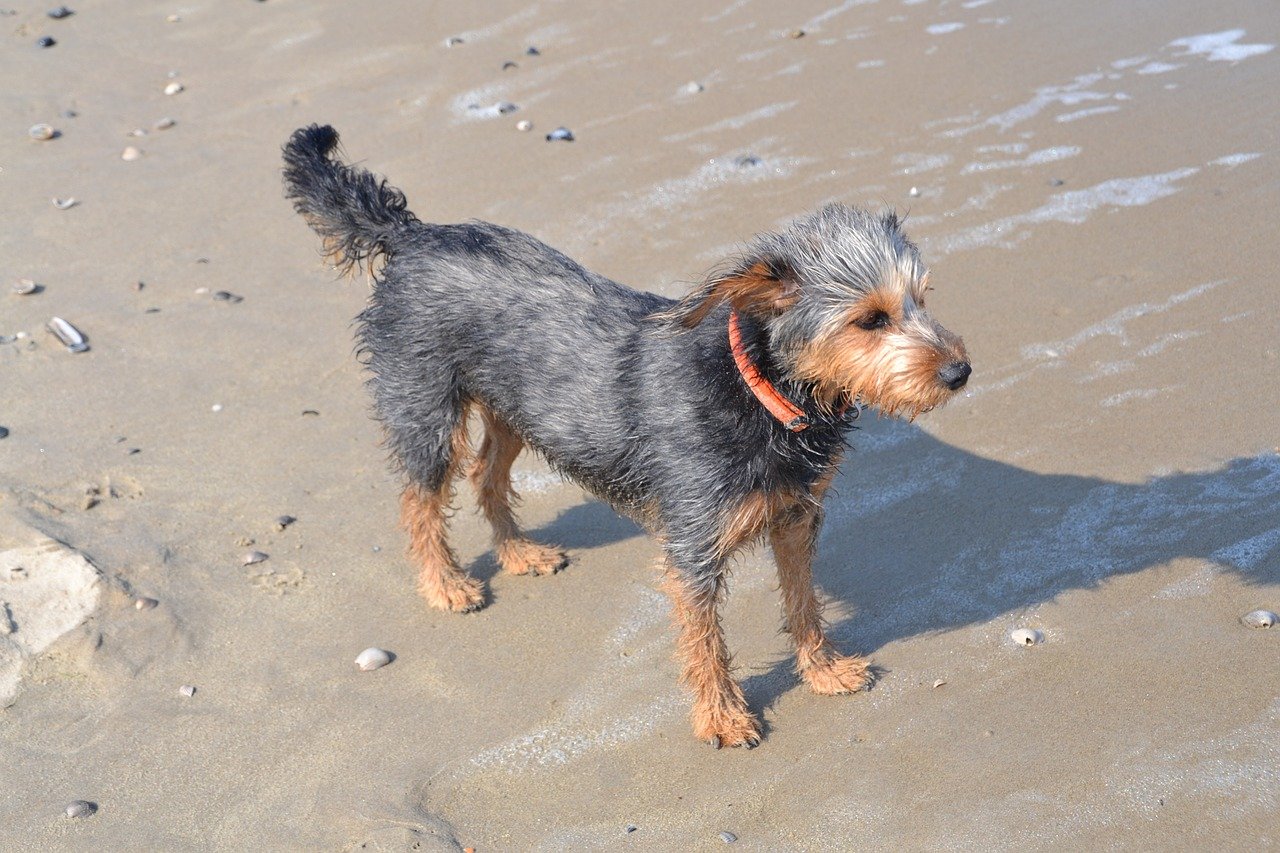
<point>788,414</point>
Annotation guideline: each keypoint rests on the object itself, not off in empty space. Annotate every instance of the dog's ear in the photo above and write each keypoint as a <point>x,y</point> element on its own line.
<point>763,288</point>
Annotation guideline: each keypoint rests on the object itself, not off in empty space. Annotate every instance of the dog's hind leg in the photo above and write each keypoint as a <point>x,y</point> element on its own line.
<point>424,510</point>
<point>491,476</point>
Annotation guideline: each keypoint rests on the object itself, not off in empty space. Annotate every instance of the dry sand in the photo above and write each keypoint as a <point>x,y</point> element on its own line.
<point>1097,195</point>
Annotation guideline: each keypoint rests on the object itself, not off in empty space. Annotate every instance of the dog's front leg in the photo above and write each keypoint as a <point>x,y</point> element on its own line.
<point>826,671</point>
<point>720,714</point>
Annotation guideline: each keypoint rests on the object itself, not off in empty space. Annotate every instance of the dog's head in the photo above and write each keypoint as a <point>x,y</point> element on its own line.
<point>841,295</point>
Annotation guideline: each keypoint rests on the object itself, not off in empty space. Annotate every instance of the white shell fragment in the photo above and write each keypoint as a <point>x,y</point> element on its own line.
<point>80,808</point>
<point>145,603</point>
<point>692,88</point>
<point>524,125</point>
<point>372,658</point>
<point>173,88</point>
<point>130,154</point>
<point>42,132</point>
<point>253,557</point>
<point>164,123</point>
<point>1259,619</point>
<point>68,334</point>
<point>25,287</point>
<point>65,203</point>
<point>187,690</point>
<point>1027,637</point>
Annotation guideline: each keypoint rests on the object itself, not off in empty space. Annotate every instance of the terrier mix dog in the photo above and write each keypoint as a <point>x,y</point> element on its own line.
<point>714,421</point>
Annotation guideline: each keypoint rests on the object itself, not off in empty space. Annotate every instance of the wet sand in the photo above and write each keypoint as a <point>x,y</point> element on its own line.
<point>1094,189</point>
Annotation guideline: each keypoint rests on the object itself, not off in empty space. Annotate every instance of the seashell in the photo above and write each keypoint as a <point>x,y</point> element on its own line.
<point>173,88</point>
<point>728,837</point>
<point>59,13</point>
<point>284,521</point>
<point>692,88</point>
<point>914,192</point>
<point>253,557</point>
<point>164,124</point>
<point>68,334</point>
<point>130,154</point>
<point>46,41</point>
<point>65,203</point>
<point>137,131</point>
<point>80,808</point>
<point>145,603</point>
<point>26,287</point>
<point>1027,637</point>
<point>42,132</point>
<point>524,125</point>
<point>938,683</point>
<point>504,107</point>
<point>1259,619</point>
<point>560,134</point>
<point>187,690</point>
<point>372,658</point>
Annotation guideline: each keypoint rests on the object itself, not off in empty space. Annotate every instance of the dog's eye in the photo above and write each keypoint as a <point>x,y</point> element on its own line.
<point>874,320</point>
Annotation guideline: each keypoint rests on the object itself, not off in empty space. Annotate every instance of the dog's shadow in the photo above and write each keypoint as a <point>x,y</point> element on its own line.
<point>922,537</point>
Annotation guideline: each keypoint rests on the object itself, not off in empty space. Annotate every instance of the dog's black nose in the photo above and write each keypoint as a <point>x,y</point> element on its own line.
<point>955,374</point>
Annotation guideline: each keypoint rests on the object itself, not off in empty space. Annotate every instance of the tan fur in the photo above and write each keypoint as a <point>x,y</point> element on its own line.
<point>756,291</point>
<point>491,476</point>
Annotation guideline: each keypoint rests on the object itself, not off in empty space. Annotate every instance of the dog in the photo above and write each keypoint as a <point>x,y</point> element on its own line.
<point>714,421</point>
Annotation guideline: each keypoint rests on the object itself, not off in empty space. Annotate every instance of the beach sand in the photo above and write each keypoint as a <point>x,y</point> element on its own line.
<point>1094,187</point>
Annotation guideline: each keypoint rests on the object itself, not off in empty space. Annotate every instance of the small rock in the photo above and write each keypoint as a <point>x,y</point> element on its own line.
<point>137,131</point>
<point>65,203</point>
<point>187,690</point>
<point>1056,182</point>
<point>453,40</point>
<point>46,41</point>
<point>692,88</point>
<point>42,132</point>
<point>144,603</point>
<point>631,827</point>
<point>253,557</point>
<point>524,125</point>
<point>504,107</point>
<point>174,88</point>
<point>1027,637</point>
<point>227,296</point>
<point>216,407</point>
<point>796,34</point>
<point>80,808</point>
<point>560,134</point>
<point>532,51</point>
<point>164,123</point>
<point>284,521</point>
<point>372,658</point>
<point>26,287</point>
<point>173,19</point>
<point>914,192</point>
<point>130,154</point>
<point>508,65</point>
<point>59,13</point>
<point>1259,619</point>
<point>4,432</point>
<point>68,113</point>
<point>747,161</point>
<point>728,837</point>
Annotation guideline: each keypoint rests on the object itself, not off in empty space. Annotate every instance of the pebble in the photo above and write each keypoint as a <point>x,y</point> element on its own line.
<point>560,134</point>
<point>747,161</point>
<point>59,13</point>
<point>174,88</point>
<point>65,203</point>
<point>253,557</point>
<point>164,123</point>
<point>453,40</point>
<point>216,407</point>
<point>187,690</point>
<point>692,87</point>
<point>42,132</point>
<point>1259,619</point>
<point>130,154</point>
<point>1027,637</point>
<point>504,107</point>
<point>284,521</point>
<point>524,125</point>
<point>4,432</point>
<point>532,51</point>
<point>137,131</point>
<point>227,296</point>
<point>631,827</point>
<point>80,808</point>
<point>68,334</point>
<point>145,603</point>
<point>26,287</point>
<point>372,658</point>
<point>508,65</point>
<point>728,837</point>
<point>46,41</point>
<point>1056,182</point>
<point>796,34</point>
<point>173,19</point>
<point>914,192</point>
<point>68,113</point>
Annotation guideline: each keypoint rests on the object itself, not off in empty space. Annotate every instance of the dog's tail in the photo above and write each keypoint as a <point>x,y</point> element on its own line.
<point>356,213</point>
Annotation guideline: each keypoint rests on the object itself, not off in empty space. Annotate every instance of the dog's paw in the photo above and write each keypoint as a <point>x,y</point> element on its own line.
<point>526,557</point>
<point>460,594</point>
<point>831,675</point>
<point>726,727</point>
